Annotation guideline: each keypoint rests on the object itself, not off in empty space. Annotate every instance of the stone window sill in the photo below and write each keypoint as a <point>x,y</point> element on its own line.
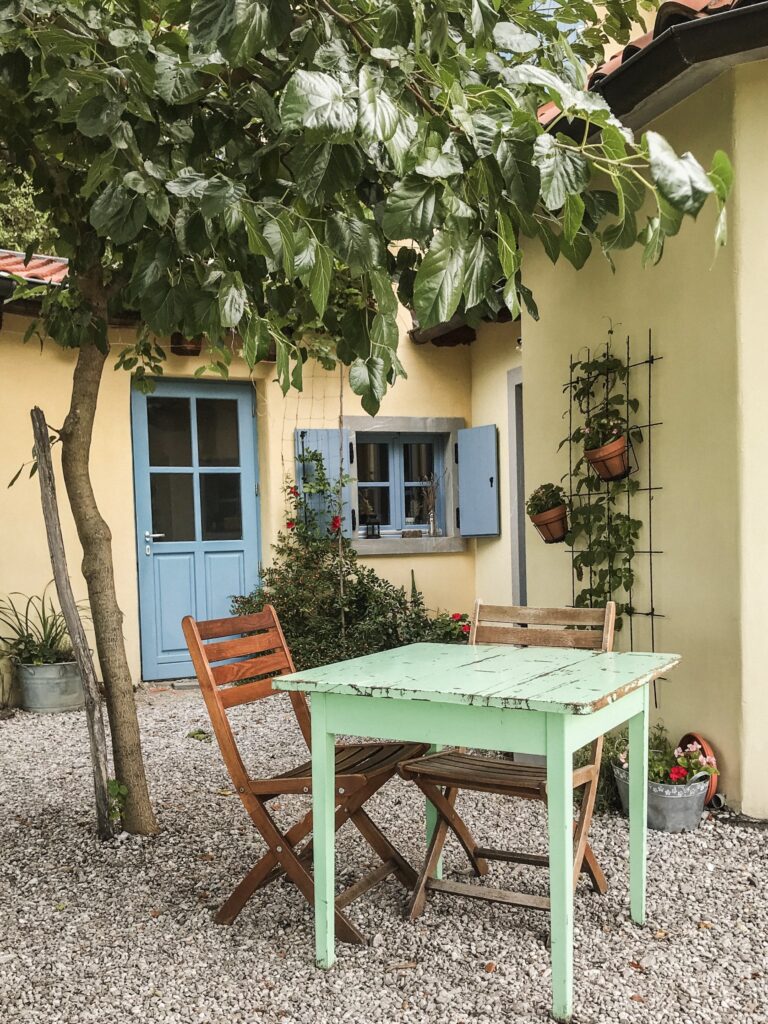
<point>409,546</point>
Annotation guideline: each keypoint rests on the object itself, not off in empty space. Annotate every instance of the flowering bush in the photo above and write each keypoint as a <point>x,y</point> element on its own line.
<point>602,427</point>
<point>330,606</point>
<point>674,767</point>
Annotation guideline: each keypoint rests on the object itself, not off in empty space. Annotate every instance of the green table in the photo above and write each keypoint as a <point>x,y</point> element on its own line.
<point>532,700</point>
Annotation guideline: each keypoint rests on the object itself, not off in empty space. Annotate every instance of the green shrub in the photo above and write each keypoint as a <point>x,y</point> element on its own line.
<point>330,606</point>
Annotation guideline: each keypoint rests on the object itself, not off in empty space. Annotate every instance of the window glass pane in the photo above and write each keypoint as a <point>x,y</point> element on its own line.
<point>417,505</point>
<point>217,437</point>
<point>170,435</point>
<point>220,507</point>
<point>373,505</point>
<point>373,462</point>
<point>173,506</point>
<point>418,461</point>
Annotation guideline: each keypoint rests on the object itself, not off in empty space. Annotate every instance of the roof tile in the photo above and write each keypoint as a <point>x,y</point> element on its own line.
<point>39,269</point>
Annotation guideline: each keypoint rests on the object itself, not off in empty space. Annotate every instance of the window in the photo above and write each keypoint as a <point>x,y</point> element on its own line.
<point>400,481</point>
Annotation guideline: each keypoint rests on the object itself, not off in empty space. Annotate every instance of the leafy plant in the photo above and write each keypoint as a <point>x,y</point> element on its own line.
<point>672,767</point>
<point>118,794</point>
<point>33,631</point>
<point>544,498</point>
<point>602,534</point>
<point>199,734</point>
<point>330,606</point>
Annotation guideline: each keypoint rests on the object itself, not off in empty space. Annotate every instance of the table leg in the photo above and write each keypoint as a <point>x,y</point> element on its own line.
<point>431,819</point>
<point>560,818</point>
<point>638,808</point>
<point>324,832</point>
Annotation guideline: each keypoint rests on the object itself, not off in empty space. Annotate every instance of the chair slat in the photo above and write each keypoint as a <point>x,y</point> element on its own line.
<point>271,665</point>
<point>212,628</point>
<point>581,639</point>
<point>235,695</point>
<point>542,616</point>
<point>256,643</point>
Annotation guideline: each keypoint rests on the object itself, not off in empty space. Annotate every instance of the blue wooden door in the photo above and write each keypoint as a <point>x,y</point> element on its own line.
<point>197,514</point>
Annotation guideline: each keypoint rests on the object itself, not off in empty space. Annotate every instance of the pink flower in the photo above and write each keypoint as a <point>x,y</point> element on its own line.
<point>623,757</point>
<point>678,751</point>
<point>693,747</point>
<point>702,759</point>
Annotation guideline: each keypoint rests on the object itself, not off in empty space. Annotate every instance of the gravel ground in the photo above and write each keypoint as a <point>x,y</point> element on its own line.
<point>123,931</point>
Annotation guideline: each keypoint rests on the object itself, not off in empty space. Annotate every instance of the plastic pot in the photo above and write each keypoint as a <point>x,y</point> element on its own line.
<point>49,689</point>
<point>552,524</point>
<point>670,808</point>
<point>610,461</point>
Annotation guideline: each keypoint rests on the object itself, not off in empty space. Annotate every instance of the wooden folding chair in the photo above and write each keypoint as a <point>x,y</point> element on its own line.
<point>440,776</point>
<point>235,660</point>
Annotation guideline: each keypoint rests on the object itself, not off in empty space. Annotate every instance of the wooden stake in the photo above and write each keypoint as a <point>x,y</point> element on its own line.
<point>96,735</point>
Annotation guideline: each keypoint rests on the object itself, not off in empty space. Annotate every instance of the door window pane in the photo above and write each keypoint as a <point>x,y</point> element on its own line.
<point>217,437</point>
<point>220,506</point>
<point>373,505</point>
<point>418,461</point>
<point>170,435</point>
<point>373,462</point>
<point>417,509</point>
<point>173,506</point>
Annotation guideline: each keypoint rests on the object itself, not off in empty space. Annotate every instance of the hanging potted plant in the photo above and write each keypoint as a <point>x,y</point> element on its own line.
<point>35,637</point>
<point>605,444</point>
<point>548,511</point>
<point>678,783</point>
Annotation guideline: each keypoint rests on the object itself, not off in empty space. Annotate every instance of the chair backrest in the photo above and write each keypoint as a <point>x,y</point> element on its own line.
<point>235,661</point>
<point>584,628</point>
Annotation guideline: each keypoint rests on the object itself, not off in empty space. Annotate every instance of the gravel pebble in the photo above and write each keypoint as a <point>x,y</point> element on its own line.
<point>123,931</point>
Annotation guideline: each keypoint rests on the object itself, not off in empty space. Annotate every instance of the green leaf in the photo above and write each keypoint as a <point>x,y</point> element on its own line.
<point>439,280</point>
<point>573,215</point>
<point>395,23</point>
<point>250,34</point>
<point>354,240</point>
<point>122,38</point>
<point>257,339</point>
<point>320,278</point>
<point>410,209</point>
<point>99,116</point>
<point>211,20</point>
<point>381,285</point>
<point>440,165</point>
<point>377,113</point>
<point>576,250</point>
<point>232,299</point>
<point>314,99</point>
<point>188,183</point>
<point>510,38</point>
<point>509,254</point>
<point>481,271</point>
<point>482,19</point>
<point>721,175</point>
<point>384,331</point>
<point>367,378</point>
<point>562,171</point>
<point>257,243</point>
<point>681,180</point>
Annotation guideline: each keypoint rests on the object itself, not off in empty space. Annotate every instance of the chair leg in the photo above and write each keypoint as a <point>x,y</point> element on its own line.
<point>378,841</point>
<point>418,898</point>
<point>583,822</point>
<point>445,809</point>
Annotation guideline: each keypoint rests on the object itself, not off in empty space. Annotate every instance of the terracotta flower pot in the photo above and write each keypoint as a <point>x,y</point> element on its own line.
<point>610,461</point>
<point>181,346</point>
<point>552,524</point>
<point>707,751</point>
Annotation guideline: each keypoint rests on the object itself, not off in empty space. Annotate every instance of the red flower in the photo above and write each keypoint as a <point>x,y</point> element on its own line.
<point>335,524</point>
<point>678,773</point>
<point>466,628</point>
<point>290,524</point>
<point>457,616</point>
<point>293,491</point>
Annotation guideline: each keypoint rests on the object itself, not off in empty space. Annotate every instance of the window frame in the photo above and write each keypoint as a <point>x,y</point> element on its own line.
<point>397,484</point>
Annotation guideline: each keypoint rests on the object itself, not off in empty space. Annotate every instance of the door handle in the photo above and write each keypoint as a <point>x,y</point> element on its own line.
<point>152,536</point>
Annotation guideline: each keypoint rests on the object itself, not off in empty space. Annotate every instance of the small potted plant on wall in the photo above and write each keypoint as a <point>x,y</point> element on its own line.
<point>34,635</point>
<point>678,782</point>
<point>547,509</point>
<point>605,444</point>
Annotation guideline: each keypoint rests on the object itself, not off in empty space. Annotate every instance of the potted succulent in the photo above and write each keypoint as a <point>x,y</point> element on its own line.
<point>548,511</point>
<point>605,444</point>
<point>35,637</point>
<point>678,783</point>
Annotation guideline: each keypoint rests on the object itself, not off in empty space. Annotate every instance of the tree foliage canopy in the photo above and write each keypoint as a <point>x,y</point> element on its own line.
<point>245,169</point>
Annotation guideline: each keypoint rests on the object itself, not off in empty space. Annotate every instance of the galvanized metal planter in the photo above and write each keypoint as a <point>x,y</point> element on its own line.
<point>49,689</point>
<point>670,808</point>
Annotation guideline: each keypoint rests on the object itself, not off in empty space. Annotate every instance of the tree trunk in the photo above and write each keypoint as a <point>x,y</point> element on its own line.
<point>96,734</point>
<point>96,540</point>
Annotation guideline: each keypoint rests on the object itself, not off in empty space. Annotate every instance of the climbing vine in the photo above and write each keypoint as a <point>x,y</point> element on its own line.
<point>603,534</point>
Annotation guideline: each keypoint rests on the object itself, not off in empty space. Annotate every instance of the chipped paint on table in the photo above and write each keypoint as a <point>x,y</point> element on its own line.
<point>566,681</point>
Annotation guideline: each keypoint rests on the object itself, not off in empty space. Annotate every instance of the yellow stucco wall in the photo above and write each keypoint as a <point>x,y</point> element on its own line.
<point>689,303</point>
<point>437,385</point>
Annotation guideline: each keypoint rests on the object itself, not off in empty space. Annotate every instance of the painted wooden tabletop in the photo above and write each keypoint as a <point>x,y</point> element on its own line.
<point>574,682</point>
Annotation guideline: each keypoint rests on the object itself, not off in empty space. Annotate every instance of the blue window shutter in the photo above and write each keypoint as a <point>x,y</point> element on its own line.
<point>479,482</point>
<point>327,443</point>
